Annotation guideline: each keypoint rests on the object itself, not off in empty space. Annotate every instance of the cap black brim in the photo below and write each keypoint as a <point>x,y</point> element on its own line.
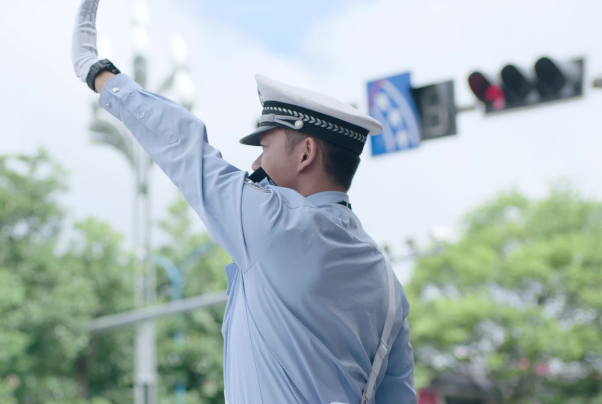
<point>254,138</point>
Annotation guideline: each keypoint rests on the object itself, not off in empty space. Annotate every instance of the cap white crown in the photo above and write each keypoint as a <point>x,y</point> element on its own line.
<point>272,90</point>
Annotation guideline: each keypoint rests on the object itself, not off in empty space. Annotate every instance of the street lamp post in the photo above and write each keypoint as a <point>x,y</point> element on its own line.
<point>107,133</point>
<point>145,366</point>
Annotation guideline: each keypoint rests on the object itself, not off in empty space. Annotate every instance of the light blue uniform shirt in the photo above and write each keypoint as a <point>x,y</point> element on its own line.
<point>307,288</point>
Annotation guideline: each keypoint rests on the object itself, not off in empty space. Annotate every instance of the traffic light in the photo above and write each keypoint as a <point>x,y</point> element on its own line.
<point>549,80</point>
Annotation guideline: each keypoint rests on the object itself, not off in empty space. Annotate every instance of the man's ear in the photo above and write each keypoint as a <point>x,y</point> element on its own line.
<point>308,153</point>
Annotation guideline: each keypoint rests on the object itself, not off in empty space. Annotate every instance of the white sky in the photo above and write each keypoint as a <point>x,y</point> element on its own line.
<point>396,196</point>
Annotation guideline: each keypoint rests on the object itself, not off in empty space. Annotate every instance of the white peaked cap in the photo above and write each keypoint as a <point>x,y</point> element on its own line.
<point>312,113</point>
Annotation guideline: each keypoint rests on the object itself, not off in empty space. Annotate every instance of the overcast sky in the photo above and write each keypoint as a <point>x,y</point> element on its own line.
<point>334,47</point>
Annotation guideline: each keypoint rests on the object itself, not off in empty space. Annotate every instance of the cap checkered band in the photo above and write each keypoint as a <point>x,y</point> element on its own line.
<point>322,123</point>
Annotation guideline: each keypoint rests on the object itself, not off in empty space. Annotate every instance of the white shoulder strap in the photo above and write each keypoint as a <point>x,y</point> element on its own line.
<point>383,350</point>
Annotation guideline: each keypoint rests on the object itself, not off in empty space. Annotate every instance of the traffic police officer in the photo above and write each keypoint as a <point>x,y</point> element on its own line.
<point>314,313</point>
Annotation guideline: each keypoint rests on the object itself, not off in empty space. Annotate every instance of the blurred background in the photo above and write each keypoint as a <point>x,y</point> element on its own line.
<point>491,212</point>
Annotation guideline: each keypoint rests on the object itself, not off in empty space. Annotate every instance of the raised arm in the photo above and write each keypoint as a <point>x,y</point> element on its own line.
<point>238,215</point>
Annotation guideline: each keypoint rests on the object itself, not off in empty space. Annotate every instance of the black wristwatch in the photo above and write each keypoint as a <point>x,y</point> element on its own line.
<point>98,67</point>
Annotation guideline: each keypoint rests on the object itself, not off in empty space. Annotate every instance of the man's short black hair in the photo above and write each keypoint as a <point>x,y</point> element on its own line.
<point>340,164</point>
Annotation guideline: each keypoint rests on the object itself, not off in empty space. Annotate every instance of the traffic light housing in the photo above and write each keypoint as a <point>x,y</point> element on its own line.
<point>549,80</point>
<point>436,107</point>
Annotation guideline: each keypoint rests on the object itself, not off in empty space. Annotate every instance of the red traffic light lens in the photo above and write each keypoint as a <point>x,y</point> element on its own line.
<point>495,96</point>
<point>487,92</point>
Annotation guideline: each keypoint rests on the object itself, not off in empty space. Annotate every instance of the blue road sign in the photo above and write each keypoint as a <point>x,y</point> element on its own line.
<point>391,103</point>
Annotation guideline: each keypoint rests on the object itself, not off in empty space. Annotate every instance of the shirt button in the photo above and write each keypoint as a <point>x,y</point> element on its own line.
<point>116,90</point>
<point>142,115</point>
<point>108,105</point>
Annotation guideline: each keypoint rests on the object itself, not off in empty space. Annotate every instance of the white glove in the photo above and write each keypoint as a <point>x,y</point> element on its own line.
<point>83,45</point>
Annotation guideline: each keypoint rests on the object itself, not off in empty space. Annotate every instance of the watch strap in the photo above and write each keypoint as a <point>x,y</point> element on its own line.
<point>97,68</point>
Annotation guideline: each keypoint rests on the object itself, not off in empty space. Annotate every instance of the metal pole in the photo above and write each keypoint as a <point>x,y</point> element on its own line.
<point>466,108</point>
<point>145,338</point>
<point>145,366</point>
<point>109,323</point>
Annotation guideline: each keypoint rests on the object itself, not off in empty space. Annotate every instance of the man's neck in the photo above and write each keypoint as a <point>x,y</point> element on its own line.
<point>316,188</point>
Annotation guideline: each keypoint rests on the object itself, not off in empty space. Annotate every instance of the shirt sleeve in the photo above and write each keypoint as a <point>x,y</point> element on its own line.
<point>397,386</point>
<point>239,215</point>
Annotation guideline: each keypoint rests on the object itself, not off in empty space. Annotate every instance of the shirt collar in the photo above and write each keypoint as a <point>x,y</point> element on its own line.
<point>322,198</point>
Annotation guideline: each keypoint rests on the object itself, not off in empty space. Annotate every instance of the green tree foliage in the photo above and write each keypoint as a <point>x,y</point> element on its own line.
<point>516,303</point>
<point>54,281</point>
<point>47,298</point>
<point>198,359</point>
